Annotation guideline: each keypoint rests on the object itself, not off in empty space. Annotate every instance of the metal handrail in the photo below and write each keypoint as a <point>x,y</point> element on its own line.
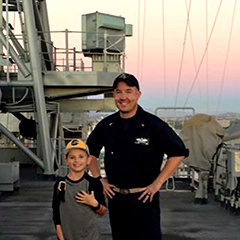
<point>67,57</point>
<point>183,170</point>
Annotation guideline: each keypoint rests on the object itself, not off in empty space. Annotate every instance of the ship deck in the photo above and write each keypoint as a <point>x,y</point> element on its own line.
<point>26,214</point>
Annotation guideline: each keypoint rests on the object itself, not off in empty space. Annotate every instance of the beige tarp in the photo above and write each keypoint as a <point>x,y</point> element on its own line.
<point>201,134</point>
<point>232,132</point>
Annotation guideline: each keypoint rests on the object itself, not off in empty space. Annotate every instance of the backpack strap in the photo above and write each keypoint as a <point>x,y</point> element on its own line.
<point>61,189</point>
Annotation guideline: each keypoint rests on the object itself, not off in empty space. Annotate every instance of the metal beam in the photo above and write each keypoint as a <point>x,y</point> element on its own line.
<point>22,67</point>
<point>83,79</point>
<point>43,11</point>
<point>54,94</point>
<point>21,146</point>
<point>16,84</point>
<point>38,86</point>
<point>45,53</point>
<point>13,38</point>
<point>102,105</point>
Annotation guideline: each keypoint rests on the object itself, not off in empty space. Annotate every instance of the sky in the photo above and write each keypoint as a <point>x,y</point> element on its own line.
<point>184,53</point>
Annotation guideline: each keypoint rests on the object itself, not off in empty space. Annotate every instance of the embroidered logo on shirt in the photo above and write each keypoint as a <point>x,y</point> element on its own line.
<point>142,141</point>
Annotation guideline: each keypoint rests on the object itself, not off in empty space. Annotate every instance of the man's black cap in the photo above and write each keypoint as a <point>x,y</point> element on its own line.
<point>129,79</point>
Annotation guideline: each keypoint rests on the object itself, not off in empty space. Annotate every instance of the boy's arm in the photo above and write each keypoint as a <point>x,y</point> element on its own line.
<point>89,199</point>
<point>100,209</point>
<point>59,232</point>
<point>55,206</point>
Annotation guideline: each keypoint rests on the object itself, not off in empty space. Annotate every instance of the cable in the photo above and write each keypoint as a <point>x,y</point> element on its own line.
<point>138,47</point>
<point>206,6</point>
<point>226,59</point>
<point>204,53</point>
<point>143,38</point>
<point>183,51</point>
<point>164,47</point>
<point>193,51</point>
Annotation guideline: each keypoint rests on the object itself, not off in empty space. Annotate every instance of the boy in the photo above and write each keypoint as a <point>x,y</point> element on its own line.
<point>77,197</point>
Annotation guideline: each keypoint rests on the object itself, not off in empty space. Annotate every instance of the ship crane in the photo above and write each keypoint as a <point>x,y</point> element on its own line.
<point>34,81</point>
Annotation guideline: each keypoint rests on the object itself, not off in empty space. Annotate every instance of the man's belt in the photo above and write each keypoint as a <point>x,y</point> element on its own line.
<point>125,191</point>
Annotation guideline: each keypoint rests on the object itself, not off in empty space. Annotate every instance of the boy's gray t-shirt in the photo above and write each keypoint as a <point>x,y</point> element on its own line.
<point>78,221</point>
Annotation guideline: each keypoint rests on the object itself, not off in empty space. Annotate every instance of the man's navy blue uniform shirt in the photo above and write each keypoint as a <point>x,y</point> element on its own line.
<point>134,147</point>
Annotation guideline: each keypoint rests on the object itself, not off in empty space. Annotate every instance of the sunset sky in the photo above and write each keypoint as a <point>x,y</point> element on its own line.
<point>169,54</point>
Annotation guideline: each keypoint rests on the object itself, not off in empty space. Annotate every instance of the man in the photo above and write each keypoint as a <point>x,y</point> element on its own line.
<point>135,142</point>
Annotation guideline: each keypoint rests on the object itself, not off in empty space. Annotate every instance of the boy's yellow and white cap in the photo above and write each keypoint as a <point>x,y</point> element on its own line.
<point>76,144</point>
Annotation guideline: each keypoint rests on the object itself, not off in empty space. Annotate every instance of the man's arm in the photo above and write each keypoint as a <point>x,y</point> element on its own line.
<point>93,166</point>
<point>169,168</point>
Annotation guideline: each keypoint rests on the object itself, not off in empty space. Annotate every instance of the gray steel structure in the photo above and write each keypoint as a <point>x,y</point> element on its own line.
<point>37,87</point>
